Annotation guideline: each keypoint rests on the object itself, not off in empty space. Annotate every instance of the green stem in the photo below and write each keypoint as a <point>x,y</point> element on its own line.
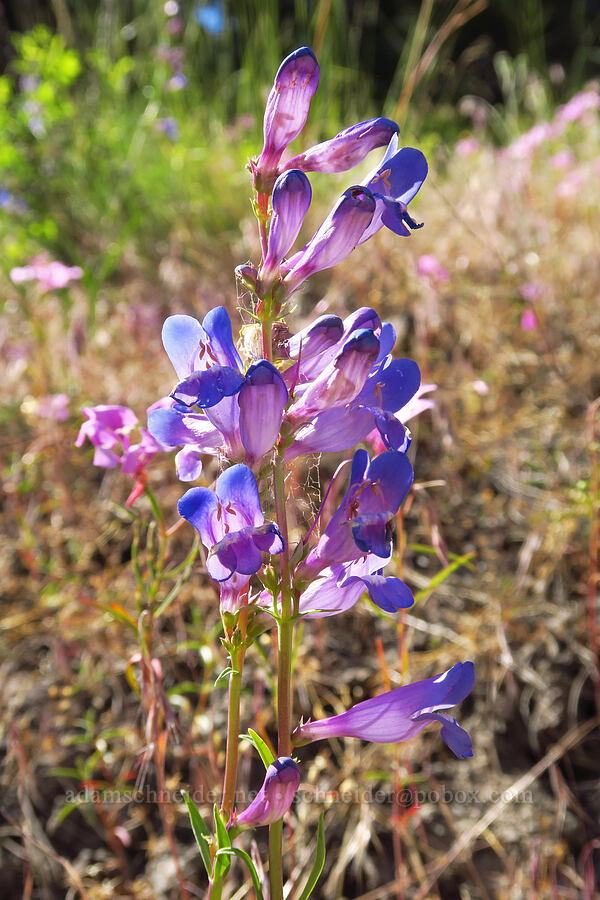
<point>215,887</point>
<point>285,628</point>
<point>275,860</point>
<point>233,730</point>
<point>267,340</point>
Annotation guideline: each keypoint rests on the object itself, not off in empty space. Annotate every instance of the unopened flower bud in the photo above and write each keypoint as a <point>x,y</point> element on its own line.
<point>286,112</point>
<point>291,199</point>
<point>247,274</point>
<point>263,397</point>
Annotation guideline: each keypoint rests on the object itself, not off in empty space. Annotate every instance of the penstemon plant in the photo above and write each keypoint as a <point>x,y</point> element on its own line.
<point>324,389</point>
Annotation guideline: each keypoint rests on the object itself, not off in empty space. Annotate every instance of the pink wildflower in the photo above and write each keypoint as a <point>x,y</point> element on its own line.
<point>532,291</point>
<point>525,145</point>
<point>571,184</point>
<point>578,106</point>
<point>54,406</point>
<point>467,146</point>
<point>50,275</point>
<point>429,267</point>
<point>564,159</point>
<point>480,387</point>
<point>529,320</point>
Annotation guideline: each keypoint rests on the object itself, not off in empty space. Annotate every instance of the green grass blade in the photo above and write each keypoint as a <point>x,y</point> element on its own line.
<point>445,573</point>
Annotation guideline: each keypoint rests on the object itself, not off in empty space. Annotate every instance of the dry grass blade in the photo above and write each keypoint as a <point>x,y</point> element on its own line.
<point>460,15</point>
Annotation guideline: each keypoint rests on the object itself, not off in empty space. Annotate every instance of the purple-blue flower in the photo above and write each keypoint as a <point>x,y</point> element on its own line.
<point>169,127</point>
<point>339,382</point>
<point>313,348</point>
<point>361,211</point>
<point>335,239</point>
<point>363,522</point>
<point>342,390</point>
<point>347,149</point>
<point>232,593</point>
<point>356,545</point>
<point>400,714</point>
<point>308,348</point>
<point>231,524</point>
<point>335,589</point>
<point>218,408</point>
<point>262,399</point>
<point>211,16</point>
<point>275,797</point>
<point>394,183</point>
<point>389,386</point>
<point>194,433</point>
<point>286,112</point>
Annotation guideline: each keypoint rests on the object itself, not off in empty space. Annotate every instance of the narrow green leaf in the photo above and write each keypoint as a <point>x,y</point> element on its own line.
<point>263,749</point>
<point>116,611</point>
<point>172,595</point>
<point>241,854</point>
<point>185,687</point>
<point>66,810</point>
<point>130,513</point>
<point>64,772</point>
<point>201,832</point>
<point>223,843</point>
<point>154,504</point>
<point>186,563</point>
<point>222,833</point>
<point>318,863</point>
<point>422,548</point>
<point>445,573</point>
<point>224,676</point>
